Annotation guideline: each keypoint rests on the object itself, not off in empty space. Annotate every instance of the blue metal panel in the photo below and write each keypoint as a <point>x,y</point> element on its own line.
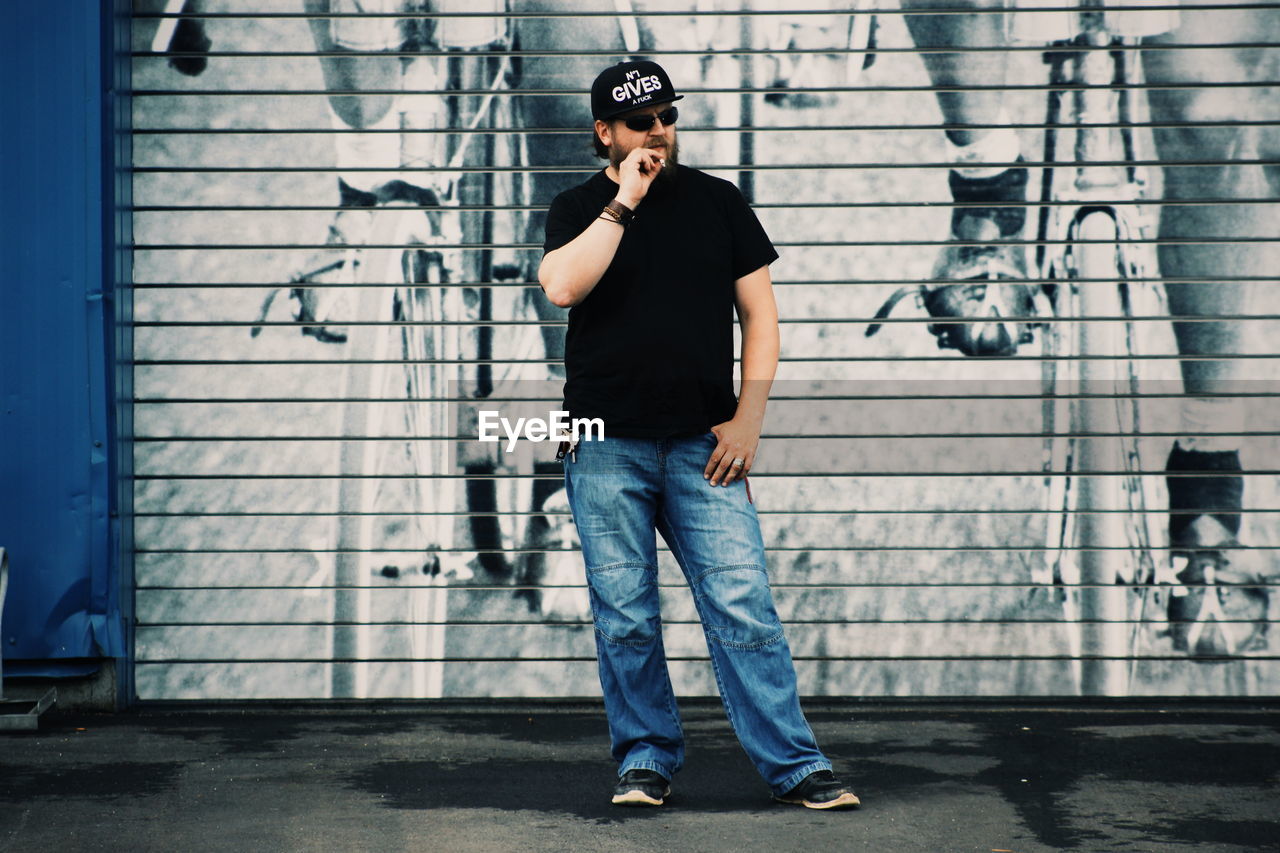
<point>56,489</point>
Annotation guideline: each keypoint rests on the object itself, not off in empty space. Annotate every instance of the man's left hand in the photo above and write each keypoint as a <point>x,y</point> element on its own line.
<point>738,439</point>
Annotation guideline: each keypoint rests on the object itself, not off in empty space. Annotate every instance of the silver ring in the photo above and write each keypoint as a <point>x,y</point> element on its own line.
<point>738,463</point>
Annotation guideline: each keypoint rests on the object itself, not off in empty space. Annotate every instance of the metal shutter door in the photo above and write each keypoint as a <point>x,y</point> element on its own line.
<point>901,488</point>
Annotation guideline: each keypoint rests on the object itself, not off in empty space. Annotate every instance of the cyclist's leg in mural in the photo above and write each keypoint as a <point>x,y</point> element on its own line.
<point>624,32</point>
<point>979,183</point>
<point>356,191</point>
<point>1203,540</point>
<point>1205,511</point>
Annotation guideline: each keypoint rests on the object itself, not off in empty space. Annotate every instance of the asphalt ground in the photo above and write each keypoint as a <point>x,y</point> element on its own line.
<point>524,777</point>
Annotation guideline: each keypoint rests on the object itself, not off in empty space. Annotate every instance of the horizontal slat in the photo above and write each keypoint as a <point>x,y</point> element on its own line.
<point>822,571</point>
<point>785,359</point>
<point>873,605</point>
<point>755,130</point>
<point>590,169</point>
<point>901,678</point>
<point>896,436</point>
<point>392,602</point>
<point>817,493</point>
<point>395,630</point>
<point>281,596</point>
<point>967,514</point>
<point>729,51</point>
<point>792,321</point>
<point>870,657</point>
<point>161,286</point>
<point>537,92</point>
<point>886,396</point>
<point>903,390</point>
<point>859,544</point>
<point>193,401</point>
<point>756,474</point>
<point>395,534</point>
<point>781,244</point>
<point>906,452</point>
<point>887,204</point>
<point>558,642</point>
<point>998,495</point>
<point>784,11</point>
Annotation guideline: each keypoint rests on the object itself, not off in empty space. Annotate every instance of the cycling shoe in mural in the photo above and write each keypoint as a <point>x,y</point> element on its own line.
<point>1218,607</point>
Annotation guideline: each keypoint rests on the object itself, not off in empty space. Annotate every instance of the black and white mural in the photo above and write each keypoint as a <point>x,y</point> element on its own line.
<point>1023,439</point>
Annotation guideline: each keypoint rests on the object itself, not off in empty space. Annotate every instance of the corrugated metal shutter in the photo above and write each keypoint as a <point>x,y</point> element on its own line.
<point>315,518</point>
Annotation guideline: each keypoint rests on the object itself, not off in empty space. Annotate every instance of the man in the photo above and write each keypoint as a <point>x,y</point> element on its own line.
<point>653,257</point>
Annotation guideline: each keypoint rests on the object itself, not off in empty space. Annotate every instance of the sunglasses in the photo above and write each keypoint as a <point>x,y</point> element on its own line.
<point>643,123</point>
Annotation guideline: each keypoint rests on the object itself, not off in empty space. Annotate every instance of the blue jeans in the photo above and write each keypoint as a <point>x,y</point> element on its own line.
<point>623,489</point>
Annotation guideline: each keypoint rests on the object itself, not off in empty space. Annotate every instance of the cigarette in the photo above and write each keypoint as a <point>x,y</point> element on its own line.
<point>662,162</point>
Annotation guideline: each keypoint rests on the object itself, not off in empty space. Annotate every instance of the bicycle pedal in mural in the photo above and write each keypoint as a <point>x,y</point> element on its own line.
<point>999,308</point>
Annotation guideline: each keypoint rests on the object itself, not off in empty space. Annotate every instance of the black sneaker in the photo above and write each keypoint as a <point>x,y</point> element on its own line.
<point>821,790</point>
<point>987,222</point>
<point>641,788</point>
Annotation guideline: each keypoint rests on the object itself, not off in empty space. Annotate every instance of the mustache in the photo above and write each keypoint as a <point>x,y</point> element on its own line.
<point>671,155</point>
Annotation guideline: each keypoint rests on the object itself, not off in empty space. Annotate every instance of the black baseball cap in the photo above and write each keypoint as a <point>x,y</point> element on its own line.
<point>628,86</point>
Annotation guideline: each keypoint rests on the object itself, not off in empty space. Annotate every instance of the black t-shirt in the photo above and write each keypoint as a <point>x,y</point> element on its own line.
<point>650,350</point>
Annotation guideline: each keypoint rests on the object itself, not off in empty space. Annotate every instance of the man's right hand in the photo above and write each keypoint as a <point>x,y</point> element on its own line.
<point>636,174</point>
<point>569,273</point>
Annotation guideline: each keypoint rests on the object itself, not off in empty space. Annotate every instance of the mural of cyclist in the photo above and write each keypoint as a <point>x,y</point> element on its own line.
<point>1204,472</point>
<point>364,85</point>
<point>373,83</point>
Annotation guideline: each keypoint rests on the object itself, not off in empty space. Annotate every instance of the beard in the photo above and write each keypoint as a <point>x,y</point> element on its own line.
<point>672,155</point>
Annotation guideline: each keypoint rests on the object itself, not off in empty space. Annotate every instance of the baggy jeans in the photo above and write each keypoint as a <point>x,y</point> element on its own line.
<point>620,491</point>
